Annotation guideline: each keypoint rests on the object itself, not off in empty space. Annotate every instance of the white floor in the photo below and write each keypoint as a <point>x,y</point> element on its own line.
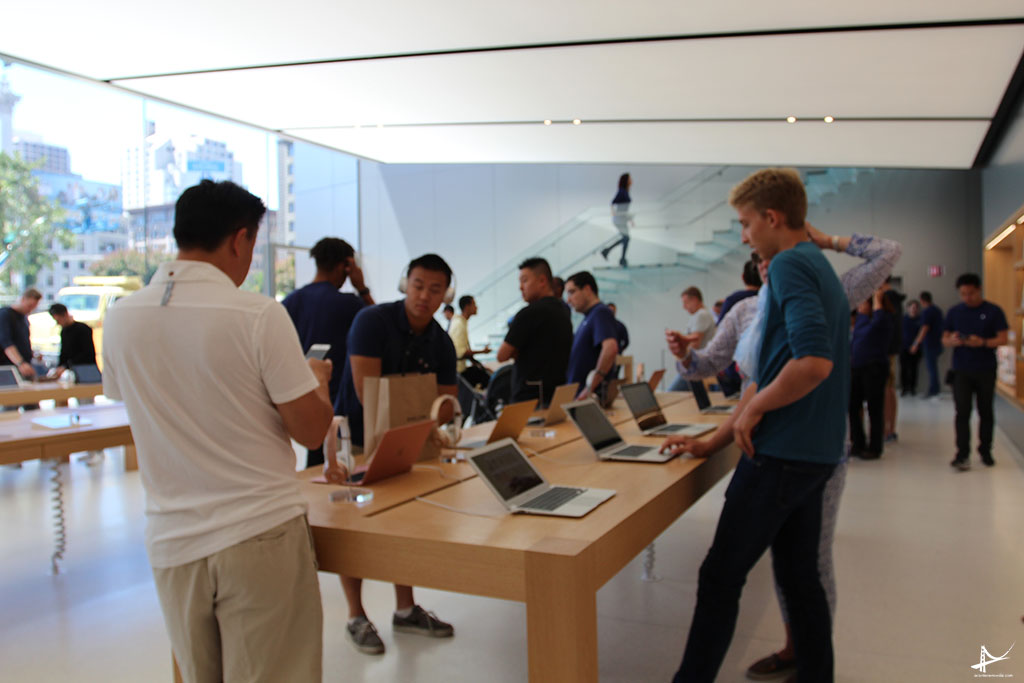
<point>930,567</point>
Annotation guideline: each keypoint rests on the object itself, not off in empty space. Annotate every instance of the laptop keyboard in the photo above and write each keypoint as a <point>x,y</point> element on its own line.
<point>671,428</point>
<point>553,498</point>
<point>632,451</point>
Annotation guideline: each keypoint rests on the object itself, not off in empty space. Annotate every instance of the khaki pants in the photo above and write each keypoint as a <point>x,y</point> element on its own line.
<point>250,612</point>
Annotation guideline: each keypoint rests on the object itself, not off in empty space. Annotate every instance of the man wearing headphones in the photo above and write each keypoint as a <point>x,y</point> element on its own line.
<point>387,339</point>
<point>323,315</point>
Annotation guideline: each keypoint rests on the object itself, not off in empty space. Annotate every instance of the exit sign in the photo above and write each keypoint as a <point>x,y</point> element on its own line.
<point>936,271</point>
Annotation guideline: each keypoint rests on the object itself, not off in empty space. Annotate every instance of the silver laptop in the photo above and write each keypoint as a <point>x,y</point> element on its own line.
<point>521,488</point>
<point>555,414</point>
<point>700,393</point>
<point>651,420</point>
<point>605,439</point>
<point>10,378</point>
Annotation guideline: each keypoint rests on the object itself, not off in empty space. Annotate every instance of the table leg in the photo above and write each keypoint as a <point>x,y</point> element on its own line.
<point>131,460</point>
<point>561,613</point>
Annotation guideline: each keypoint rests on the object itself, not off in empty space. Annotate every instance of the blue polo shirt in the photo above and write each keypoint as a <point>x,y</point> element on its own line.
<point>807,314</point>
<point>911,326</point>
<point>622,335</point>
<point>383,331</point>
<point>932,317</point>
<point>323,315</point>
<point>871,337</point>
<point>986,321</point>
<point>597,325</point>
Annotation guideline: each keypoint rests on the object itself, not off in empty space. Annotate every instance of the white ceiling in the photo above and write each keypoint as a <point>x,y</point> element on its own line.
<point>943,84</point>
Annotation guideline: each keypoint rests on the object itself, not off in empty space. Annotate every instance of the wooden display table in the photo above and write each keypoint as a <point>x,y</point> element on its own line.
<point>555,565</point>
<point>45,391</point>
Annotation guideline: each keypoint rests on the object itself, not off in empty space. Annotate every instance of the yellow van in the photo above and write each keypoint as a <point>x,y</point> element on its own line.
<point>88,300</point>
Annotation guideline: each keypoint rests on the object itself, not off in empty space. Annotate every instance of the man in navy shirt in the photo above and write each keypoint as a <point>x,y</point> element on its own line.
<point>596,342</point>
<point>620,326</point>
<point>323,315</point>
<point>790,426</point>
<point>974,329</point>
<point>929,338</point>
<point>14,334</point>
<point>400,337</point>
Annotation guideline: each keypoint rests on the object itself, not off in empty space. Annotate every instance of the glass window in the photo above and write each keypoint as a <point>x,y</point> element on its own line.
<point>81,302</point>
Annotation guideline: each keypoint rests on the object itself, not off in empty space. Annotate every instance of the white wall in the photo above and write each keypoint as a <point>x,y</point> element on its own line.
<point>479,216</point>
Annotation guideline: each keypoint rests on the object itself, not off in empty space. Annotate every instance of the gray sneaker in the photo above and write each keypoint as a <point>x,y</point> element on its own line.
<point>422,622</point>
<point>363,636</point>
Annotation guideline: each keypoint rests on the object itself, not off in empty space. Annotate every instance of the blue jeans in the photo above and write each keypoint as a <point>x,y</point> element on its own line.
<point>931,362</point>
<point>770,503</point>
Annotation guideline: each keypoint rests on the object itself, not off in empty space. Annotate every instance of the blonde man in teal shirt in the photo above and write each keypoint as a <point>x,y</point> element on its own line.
<point>790,426</point>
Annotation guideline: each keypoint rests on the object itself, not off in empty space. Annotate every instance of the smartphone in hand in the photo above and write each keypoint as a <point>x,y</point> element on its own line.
<point>318,351</point>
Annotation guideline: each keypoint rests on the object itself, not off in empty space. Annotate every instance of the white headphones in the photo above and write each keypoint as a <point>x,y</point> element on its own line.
<point>335,472</point>
<point>447,435</point>
<point>449,294</point>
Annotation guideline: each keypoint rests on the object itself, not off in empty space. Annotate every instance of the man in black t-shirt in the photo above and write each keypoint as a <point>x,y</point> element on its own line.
<point>76,342</point>
<point>14,334</point>
<point>539,337</point>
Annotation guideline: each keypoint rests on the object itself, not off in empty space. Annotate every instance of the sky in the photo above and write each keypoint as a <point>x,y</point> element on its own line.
<point>97,123</point>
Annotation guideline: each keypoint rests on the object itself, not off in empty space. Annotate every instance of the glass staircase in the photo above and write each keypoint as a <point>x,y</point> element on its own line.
<point>689,230</point>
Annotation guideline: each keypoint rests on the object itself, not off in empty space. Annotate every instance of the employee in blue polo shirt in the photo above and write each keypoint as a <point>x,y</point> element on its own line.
<point>929,338</point>
<point>323,315</point>
<point>596,342</point>
<point>790,426</point>
<point>620,326</point>
<point>974,329</point>
<point>388,339</point>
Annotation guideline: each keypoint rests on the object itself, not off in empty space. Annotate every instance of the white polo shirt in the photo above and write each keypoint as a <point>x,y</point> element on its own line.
<point>200,374</point>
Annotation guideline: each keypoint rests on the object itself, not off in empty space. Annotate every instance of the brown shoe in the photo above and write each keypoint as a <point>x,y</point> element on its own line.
<point>770,667</point>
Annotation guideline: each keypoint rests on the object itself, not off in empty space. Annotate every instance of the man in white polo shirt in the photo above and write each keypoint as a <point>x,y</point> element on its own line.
<point>215,383</point>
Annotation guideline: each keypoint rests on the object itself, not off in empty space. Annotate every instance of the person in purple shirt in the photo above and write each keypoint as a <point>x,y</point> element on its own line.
<point>929,338</point>
<point>869,365</point>
<point>974,329</point>
<point>596,342</point>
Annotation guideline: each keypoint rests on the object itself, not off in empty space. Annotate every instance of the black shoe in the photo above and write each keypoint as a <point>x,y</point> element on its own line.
<point>870,455</point>
<point>988,461</point>
<point>604,254</point>
<point>623,263</point>
<point>423,623</point>
<point>960,464</point>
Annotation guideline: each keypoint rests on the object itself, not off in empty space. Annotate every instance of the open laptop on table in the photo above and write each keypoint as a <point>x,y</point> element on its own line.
<point>509,425</point>
<point>649,417</point>
<point>554,413</point>
<point>87,374</point>
<point>606,441</point>
<point>700,393</point>
<point>10,378</point>
<point>510,475</point>
<point>396,453</point>
<point>655,379</point>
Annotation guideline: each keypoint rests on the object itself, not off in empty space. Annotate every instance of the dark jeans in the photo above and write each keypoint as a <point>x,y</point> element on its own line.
<point>868,384</point>
<point>931,363</point>
<point>770,503</point>
<point>908,370</point>
<point>981,385</point>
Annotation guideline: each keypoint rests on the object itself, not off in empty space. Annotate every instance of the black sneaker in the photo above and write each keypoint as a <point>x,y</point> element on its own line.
<point>988,461</point>
<point>363,636</point>
<point>422,622</point>
<point>960,464</point>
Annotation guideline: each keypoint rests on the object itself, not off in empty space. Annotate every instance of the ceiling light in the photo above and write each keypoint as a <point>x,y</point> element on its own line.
<point>576,122</point>
<point>1020,221</point>
<point>1001,236</point>
<point>380,125</point>
<point>790,119</point>
<point>547,122</point>
<point>829,119</point>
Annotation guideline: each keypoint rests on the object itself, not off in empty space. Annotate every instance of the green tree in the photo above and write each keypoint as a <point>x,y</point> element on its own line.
<point>284,275</point>
<point>129,262</point>
<point>29,223</point>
